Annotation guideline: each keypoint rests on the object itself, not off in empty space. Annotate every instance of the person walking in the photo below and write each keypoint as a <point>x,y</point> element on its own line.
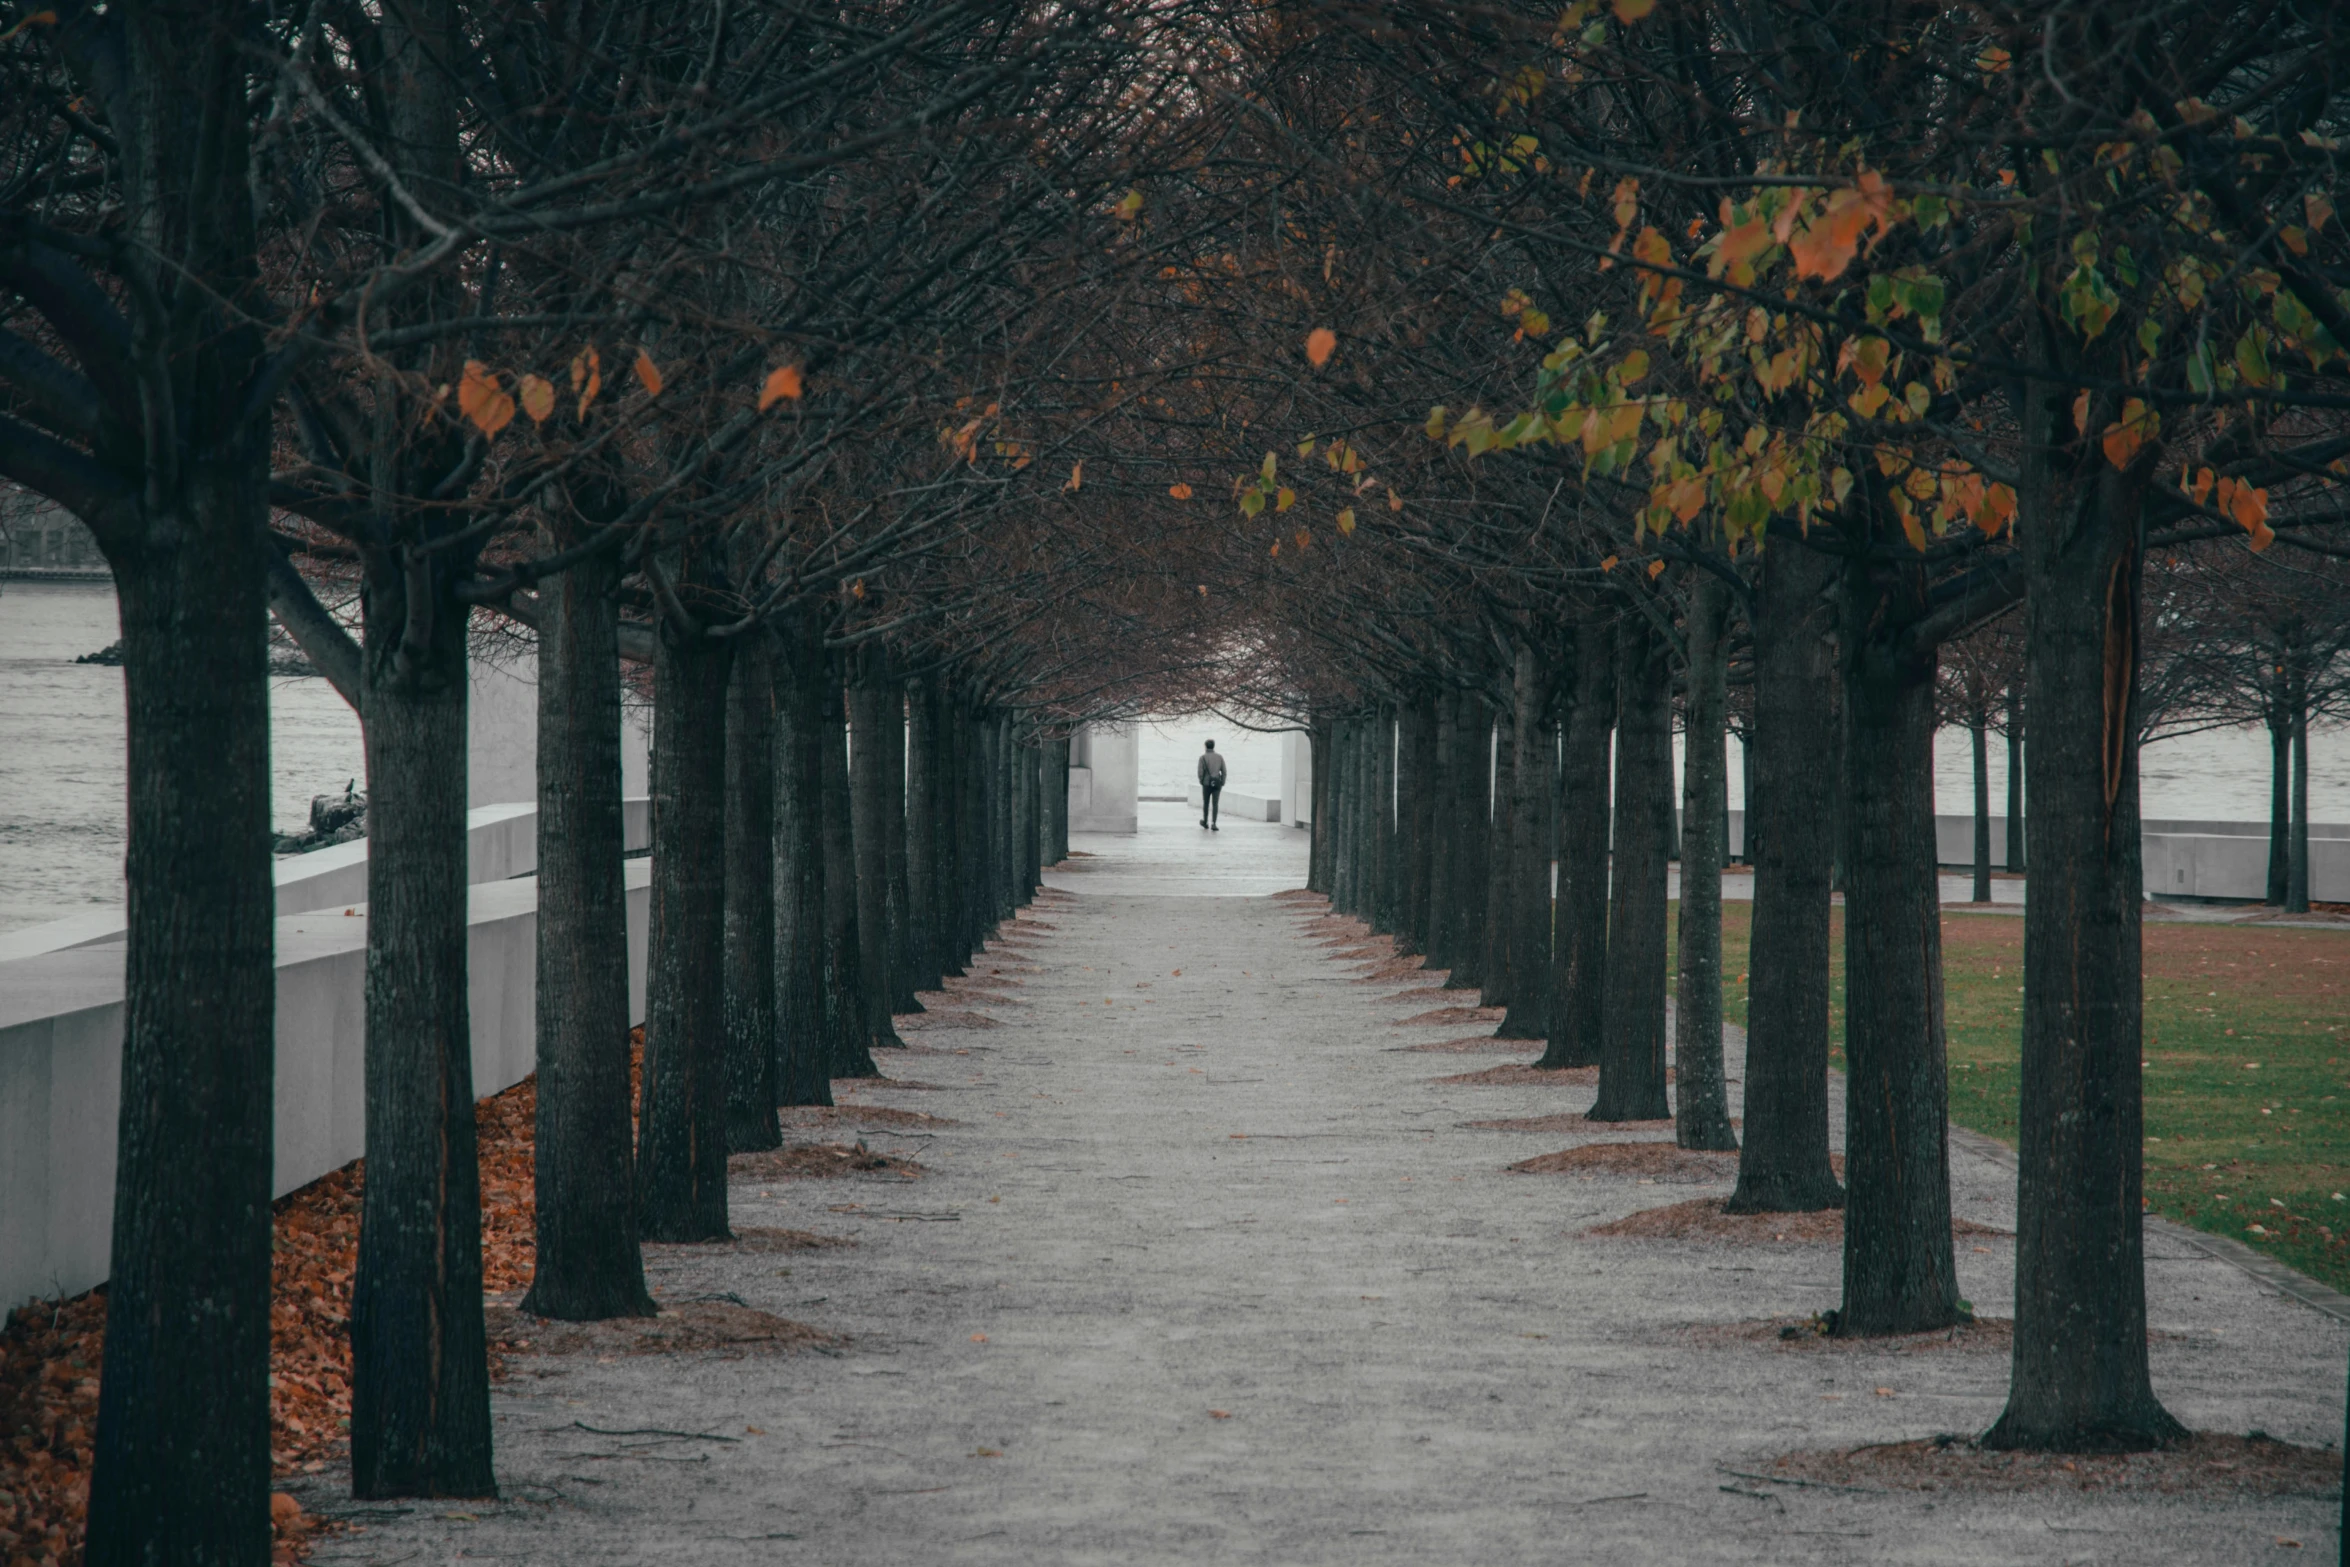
<point>1211,785</point>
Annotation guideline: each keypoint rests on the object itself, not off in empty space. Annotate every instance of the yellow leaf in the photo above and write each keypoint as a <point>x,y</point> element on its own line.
<point>1346,521</point>
<point>1129,206</point>
<point>1394,501</point>
<point>1634,367</point>
<point>1630,11</point>
<point>538,398</point>
<point>1284,498</point>
<point>1321,343</point>
<point>648,374</point>
<point>782,382</point>
<point>1181,492</point>
<point>482,400</point>
<point>587,377</point>
<point>2123,439</point>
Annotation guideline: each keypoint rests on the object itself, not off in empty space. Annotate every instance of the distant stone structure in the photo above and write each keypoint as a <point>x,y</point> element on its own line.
<point>1105,778</point>
<point>40,539</point>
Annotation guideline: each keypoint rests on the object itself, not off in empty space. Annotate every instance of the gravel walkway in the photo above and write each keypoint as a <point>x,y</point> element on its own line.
<point>1211,1270</point>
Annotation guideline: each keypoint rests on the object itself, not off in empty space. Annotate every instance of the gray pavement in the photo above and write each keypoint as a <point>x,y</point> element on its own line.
<point>1210,1270</point>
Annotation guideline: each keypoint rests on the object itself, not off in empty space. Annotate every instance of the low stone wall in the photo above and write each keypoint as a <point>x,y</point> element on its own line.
<point>61,1062</point>
<point>1240,807</point>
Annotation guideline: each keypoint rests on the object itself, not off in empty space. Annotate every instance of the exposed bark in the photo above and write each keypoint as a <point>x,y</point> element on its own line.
<point>1900,1274</point>
<point>2015,782</point>
<point>1978,731</point>
<point>1318,848</point>
<point>1701,1098</point>
<point>803,1049</point>
<point>871,798</point>
<point>1417,813</point>
<point>1783,1167</point>
<point>749,1010</point>
<point>1579,956</point>
<point>1499,969</point>
<point>681,1110</point>
<point>2280,799</point>
<point>1528,874</point>
<point>587,1264</point>
<point>1632,1033</point>
<point>2297,874</point>
<point>848,1031</point>
<point>1443,805</point>
<point>1473,775</point>
<point>891,703</point>
<point>2080,1372</point>
<point>420,1415</point>
<point>182,1469</point>
<point>925,941</point>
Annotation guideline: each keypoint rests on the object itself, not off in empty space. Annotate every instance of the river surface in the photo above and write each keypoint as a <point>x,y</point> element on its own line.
<point>62,787</point>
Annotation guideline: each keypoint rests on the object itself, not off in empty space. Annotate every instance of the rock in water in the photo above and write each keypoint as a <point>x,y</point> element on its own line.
<point>334,818</point>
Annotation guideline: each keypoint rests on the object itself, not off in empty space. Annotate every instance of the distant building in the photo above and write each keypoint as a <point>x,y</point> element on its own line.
<point>39,538</point>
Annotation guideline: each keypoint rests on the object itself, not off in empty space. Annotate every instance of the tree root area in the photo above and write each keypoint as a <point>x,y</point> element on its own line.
<point>1452,1015</point>
<point>2209,1465</point>
<point>820,1161</point>
<point>828,1116</point>
<point>685,1327</point>
<point>938,1018</point>
<point>1571,1121</point>
<point>1988,1335</point>
<point>1474,1045</point>
<point>1656,1161</point>
<point>1516,1076</point>
<point>757,1238</point>
<point>1704,1220</point>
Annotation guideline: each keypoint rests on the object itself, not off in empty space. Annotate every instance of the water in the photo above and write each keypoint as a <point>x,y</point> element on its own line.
<point>61,751</point>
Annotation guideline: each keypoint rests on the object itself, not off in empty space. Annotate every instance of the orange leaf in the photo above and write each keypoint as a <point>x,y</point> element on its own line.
<point>1076,477</point>
<point>1181,492</point>
<point>1304,539</point>
<point>1630,11</point>
<point>538,398</point>
<point>2081,413</point>
<point>782,382</point>
<point>483,401</point>
<point>587,377</point>
<point>1608,564</point>
<point>1346,525</point>
<point>648,373</point>
<point>1321,343</point>
<point>2125,438</point>
<point>1656,568</point>
<point>1998,507</point>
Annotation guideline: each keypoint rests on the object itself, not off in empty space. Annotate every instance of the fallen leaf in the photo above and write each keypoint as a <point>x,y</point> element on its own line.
<point>1219,1414</point>
<point>782,382</point>
<point>648,374</point>
<point>1321,343</point>
<point>978,1338</point>
<point>1181,492</point>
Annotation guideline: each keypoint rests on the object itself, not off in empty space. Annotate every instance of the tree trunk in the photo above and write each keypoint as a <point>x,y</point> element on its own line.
<point>587,1266</point>
<point>1387,909</point>
<point>420,1411</point>
<point>2015,782</point>
<point>1342,800</point>
<point>1419,778</point>
<point>1900,1275</point>
<point>2080,1380</point>
<point>2297,698</point>
<point>1632,1030</point>
<point>1500,967</point>
<point>1979,731</point>
<point>895,803</point>
<point>1441,798</point>
<point>1318,750</point>
<point>183,1467</point>
<point>1056,801</point>
<point>848,1029</point>
<point>1701,1100</point>
<point>681,1110</point>
<point>803,1053</point>
<point>749,1009</point>
<point>1579,981</point>
<point>1528,877</point>
<point>2280,797</point>
<point>1473,784</point>
<point>1784,1167</point>
<point>869,803</point>
<point>924,833</point>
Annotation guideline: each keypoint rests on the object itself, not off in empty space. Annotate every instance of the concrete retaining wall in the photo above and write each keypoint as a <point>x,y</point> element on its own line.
<point>1240,807</point>
<point>61,1066</point>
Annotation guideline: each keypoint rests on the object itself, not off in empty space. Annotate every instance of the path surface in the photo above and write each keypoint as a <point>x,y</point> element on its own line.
<point>1194,1172</point>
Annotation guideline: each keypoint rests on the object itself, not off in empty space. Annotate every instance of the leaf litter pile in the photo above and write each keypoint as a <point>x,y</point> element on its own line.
<point>2207,1464</point>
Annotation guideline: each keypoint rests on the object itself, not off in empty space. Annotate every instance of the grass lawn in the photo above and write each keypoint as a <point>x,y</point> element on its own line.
<point>2247,1095</point>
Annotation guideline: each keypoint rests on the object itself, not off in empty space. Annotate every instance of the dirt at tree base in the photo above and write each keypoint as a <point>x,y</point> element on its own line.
<point>925,1022</point>
<point>860,1115</point>
<point>820,1161</point>
<point>757,1238</point>
<point>2209,1465</point>
<point>1409,965</point>
<point>1988,1335</point>
<point>1516,1076</point>
<point>854,1085</point>
<point>1704,1220</point>
<point>686,1327</point>
<point>1474,1044</point>
<point>1443,1015</point>
<point>1657,1161</point>
<point>1567,1121</point>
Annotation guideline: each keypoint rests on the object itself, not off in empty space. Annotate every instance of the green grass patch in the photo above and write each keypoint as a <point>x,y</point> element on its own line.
<point>2247,1094</point>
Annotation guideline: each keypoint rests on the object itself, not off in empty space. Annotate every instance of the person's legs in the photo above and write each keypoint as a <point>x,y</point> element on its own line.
<point>1213,796</point>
